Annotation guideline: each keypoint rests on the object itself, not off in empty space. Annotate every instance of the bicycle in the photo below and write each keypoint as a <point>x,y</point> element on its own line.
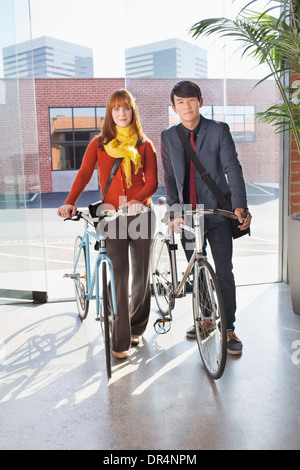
<point>208,309</point>
<point>100,282</point>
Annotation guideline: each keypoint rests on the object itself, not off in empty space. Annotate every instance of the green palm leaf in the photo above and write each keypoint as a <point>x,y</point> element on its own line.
<point>271,40</point>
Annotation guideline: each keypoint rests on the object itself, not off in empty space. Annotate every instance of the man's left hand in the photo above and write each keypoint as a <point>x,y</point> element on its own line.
<point>244,217</point>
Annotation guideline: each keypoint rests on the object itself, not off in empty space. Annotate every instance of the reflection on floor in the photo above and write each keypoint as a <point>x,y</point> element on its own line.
<point>54,392</point>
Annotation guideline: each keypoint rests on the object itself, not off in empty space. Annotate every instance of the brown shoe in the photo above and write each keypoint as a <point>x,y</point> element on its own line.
<point>191,332</point>
<point>120,354</point>
<point>206,328</point>
<point>234,344</point>
<point>135,339</point>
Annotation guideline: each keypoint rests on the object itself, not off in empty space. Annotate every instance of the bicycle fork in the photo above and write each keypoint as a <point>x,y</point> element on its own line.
<point>198,252</point>
<point>103,258</point>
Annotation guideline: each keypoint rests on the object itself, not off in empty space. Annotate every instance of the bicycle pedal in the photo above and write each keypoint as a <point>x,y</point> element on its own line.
<point>162,325</point>
<point>72,276</point>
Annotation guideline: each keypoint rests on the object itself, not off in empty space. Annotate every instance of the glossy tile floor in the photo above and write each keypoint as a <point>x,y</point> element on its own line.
<point>54,393</point>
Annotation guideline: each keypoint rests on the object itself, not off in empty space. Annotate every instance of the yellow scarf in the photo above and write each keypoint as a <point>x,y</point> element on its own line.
<point>126,150</point>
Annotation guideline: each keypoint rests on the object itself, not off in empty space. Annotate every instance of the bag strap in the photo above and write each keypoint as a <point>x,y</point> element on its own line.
<point>111,175</point>
<point>93,207</point>
<point>205,176</point>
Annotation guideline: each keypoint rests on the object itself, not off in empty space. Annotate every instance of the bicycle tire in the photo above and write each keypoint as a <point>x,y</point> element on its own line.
<point>81,287</point>
<point>161,273</point>
<point>107,317</point>
<point>209,319</point>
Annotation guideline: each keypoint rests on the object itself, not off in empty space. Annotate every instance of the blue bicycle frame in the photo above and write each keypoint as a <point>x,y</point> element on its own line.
<point>94,279</point>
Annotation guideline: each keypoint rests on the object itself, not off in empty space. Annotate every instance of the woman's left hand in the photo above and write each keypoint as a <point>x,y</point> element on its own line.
<point>134,207</point>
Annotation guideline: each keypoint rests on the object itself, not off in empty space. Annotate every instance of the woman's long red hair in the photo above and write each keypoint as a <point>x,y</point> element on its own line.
<point>120,98</point>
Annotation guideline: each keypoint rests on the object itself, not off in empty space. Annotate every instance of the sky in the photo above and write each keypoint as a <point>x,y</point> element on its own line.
<point>108,27</point>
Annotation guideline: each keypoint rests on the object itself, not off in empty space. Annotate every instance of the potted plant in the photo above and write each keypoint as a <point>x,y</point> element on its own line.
<point>274,41</point>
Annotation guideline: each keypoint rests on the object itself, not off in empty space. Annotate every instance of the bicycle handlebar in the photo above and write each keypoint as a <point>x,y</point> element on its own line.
<point>82,215</point>
<point>166,219</point>
<point>105,213</point>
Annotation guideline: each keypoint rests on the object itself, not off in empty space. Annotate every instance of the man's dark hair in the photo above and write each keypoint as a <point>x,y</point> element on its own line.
<point>185,89</point>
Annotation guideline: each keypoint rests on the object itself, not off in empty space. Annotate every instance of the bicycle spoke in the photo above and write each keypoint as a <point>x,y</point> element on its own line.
<point>161,273</point>
<point>80,278</point>
<point>106,318</point>
<point>209,319</point>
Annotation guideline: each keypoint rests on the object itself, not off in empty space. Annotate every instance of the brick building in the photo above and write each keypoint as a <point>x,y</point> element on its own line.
<point>257,145</point>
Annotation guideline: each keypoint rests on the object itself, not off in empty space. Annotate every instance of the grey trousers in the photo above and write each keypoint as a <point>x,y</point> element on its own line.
<point>128,245</point>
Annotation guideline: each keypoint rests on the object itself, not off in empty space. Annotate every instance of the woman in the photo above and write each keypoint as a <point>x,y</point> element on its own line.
<point>132,186</point>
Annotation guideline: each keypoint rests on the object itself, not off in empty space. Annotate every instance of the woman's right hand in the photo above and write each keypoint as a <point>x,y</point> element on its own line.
<point>67,211</point>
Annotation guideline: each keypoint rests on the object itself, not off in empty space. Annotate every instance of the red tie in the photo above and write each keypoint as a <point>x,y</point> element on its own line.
<point>193,190</point>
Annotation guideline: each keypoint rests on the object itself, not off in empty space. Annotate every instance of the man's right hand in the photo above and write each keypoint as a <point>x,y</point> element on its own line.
<point>67,211</point>
<point>175,225</point>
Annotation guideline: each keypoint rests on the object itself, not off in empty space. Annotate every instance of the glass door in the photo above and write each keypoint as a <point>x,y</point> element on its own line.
<point>22,259</point>
<point>157,58</point>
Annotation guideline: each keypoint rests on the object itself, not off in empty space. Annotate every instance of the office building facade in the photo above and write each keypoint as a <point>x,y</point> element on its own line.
<point>166,59</point>
<point>47,57</point>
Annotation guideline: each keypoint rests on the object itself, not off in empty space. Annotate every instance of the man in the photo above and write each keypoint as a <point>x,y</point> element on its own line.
<point>215,148</point>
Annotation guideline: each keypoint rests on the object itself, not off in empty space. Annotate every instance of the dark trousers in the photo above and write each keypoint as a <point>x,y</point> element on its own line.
<point>217,232</point>
<point>126,248</point>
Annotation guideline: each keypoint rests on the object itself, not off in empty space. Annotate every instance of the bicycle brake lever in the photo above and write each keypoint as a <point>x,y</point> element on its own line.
<point>74,219</point>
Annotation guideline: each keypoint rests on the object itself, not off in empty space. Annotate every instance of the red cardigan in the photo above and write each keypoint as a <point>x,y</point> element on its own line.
<point>144,183</point>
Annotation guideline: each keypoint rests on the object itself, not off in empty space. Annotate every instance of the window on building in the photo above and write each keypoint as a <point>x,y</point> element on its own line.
<point>241,119</point>
<point>71,130</point>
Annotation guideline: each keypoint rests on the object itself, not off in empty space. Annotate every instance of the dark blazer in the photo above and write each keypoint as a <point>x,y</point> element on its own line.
<point>216,150</point>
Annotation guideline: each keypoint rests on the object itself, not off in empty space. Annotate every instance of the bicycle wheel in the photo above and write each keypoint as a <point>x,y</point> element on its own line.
<point>161,273</point>
<point>106,318</point>
<point>81,278</point>
<point>209,319</point>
